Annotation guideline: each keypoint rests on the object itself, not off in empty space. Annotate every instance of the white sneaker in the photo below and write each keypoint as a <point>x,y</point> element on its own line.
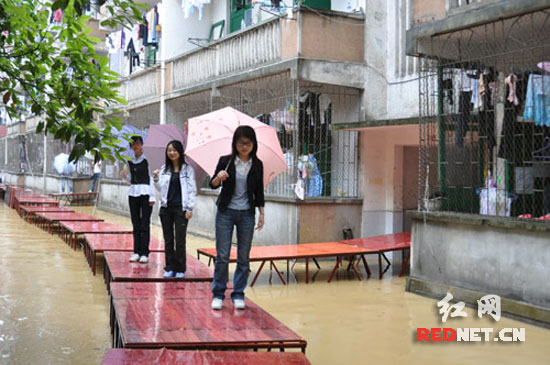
<point>217,304</point>
<point>143,259</point>
<point>134,257</point>
<point>239,304</point>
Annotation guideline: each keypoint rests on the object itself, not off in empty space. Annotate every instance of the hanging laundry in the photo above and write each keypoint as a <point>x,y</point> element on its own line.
<point>324,104</point>
<point>58,16</point>
<point>537,101</point>
<point>315,181</point>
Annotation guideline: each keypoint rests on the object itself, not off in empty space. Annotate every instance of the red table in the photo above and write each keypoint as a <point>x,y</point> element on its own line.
<point>47,220</point>
<point>28,211</point>
<point>172,357</point>
<point>178,315</point>
<point>75,198</point>
<point>33,200</point>
<point>99,242</point>
<point>117,268</point>
<point>305,251</point>
<point>71,230</point>
<point>384,243</point>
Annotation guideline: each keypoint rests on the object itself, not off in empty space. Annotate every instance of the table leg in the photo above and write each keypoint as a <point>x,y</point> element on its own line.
<point>355,271</point>
<point>405,263</point>
<point>316,263</point>
<point>307,270</point>
<point>278,273</point>
<point>380,266</point>
<point>257,274</point>
<point>367,269</point>
<point>338,262</point>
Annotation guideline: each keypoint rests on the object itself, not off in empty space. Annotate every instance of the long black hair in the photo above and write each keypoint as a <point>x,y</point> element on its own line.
<point>246,132</point>
<point>167,162</point>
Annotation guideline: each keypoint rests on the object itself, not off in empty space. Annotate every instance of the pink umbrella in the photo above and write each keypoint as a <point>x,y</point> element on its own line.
<point>155,144</point>
<point>210,137</point>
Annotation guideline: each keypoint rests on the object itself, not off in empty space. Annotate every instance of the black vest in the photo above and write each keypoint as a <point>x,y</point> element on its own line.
<point>139,172</point>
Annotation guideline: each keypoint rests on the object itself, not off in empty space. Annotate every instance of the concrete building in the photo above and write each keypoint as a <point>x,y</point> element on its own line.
<point>482,227</point>
<point>334,80</point>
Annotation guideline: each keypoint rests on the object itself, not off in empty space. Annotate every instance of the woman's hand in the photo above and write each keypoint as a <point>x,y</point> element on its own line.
<point>151,204</point>
<point>124,174</point>
<point>222,175</point>
<point>156,174</point>
<point>188,215</point>
<point>260,222</point>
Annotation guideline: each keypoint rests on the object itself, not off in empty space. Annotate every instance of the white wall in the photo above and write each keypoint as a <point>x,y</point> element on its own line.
<point>177,29</point>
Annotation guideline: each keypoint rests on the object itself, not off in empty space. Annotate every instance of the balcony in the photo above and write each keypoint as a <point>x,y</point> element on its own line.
<point>437,17</point>
<point>273,43</point>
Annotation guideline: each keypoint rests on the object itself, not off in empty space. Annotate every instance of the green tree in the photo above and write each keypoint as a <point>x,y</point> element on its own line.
<point>58,72</point>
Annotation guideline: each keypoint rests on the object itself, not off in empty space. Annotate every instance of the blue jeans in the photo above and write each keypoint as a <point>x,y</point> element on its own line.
<point>225,221</point>
<point>66,181</point>
<point>95,177</point>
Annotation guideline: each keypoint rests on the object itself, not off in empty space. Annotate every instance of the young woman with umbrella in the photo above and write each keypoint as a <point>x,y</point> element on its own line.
<point>240,175</point>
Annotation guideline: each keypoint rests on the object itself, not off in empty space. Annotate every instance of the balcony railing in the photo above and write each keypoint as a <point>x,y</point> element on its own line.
<point>253,47</point>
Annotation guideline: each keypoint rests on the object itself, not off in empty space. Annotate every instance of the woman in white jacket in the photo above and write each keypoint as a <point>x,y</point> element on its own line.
<point>178,191</point>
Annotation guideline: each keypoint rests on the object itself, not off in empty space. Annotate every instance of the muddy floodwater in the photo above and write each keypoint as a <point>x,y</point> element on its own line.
<point>54,311</point>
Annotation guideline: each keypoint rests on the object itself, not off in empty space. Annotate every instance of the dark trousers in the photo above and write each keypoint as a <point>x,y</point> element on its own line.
<point>173,220</point>
<point>140,210</point>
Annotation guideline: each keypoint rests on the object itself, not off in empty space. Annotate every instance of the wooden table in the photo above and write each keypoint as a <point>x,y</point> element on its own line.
<point>173,357</point>
<point>118,268</point>
<point>47,220</point>
<point>305,251</point>
<point>178,315</point>
<point>384,243</point>
<point>28,211</point>
<point>99,242</point>
<point>75,198</point>
<point>71,230</point>
<point>34,200</point>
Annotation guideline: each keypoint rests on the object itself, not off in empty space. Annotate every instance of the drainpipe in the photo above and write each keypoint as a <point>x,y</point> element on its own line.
<point>163,66</point>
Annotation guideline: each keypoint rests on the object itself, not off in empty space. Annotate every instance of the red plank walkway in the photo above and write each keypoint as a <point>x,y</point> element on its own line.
<point>172,357</point>
<point>28,211</point>
<point>384,243</point>
<point>117,268</point>
<point>305,251</point>
<point>71,230</point>
<point>48,220</point>
<point>178,315</point>
<point>99,242</point>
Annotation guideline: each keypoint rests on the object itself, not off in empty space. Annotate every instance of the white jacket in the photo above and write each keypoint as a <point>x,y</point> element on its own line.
<point>188,187</point>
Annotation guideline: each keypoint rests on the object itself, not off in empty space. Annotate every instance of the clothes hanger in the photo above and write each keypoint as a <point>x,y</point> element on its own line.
<point>537,154</point>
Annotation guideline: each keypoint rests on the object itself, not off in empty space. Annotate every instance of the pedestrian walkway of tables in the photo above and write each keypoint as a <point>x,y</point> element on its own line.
<point>70,231</point>
<point>342,249</point>
<point>49,220</point>
<point>75,198</point>
<point>117,268</point>
<point>32,199</point>
<point>95,243</point>
<point>172,357</point>
<point>384,243</point>
<point>28,211</point>
<point>177,315</point>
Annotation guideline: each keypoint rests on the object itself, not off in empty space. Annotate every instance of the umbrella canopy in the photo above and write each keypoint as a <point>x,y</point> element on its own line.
<point>155,148</point>
<point>124,144</point>
<point>62,166</point>
<point>210,137</point>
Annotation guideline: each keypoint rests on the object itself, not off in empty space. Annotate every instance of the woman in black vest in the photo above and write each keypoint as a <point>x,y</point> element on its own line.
<point>141,198</point>
<point>241,176</point>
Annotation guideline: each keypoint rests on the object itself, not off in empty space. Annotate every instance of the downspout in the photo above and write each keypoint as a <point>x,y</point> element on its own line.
<point>163,68</point>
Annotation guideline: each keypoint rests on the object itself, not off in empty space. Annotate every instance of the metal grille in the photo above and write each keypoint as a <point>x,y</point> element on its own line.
<point>485,119</point>
<point>303,119</point>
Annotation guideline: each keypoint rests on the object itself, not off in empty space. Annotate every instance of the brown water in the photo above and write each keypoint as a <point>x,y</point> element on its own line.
<point>53,311</point>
